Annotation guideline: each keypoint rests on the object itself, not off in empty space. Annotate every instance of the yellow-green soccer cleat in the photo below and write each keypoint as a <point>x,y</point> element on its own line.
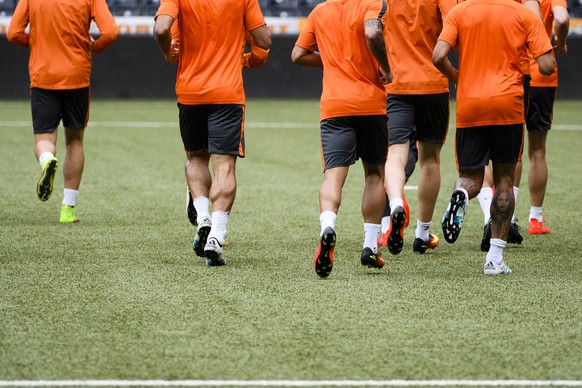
<point>44,189</point>
<point>68,215</point>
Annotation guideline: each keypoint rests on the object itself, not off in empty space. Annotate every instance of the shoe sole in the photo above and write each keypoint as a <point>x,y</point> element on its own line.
<point>451,230</point>
<point>324,260</point>
<point>203,233</point>
<point>396,238</point>
<point>44,189</point>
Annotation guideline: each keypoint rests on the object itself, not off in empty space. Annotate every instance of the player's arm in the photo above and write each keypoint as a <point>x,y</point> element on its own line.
<point>163,35</point>
<point>262,37</point>
<point>546,63</point>
<point>534,5</point>
<point>441,60</point>
<point>16,30</point>
<point>257,57</point>
<point>561,28</point>
<point>106,25</point>
<point>302,56</point>
<point>377,46</point>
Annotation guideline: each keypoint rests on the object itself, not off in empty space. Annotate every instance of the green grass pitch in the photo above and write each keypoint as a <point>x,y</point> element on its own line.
<point>121,295</point>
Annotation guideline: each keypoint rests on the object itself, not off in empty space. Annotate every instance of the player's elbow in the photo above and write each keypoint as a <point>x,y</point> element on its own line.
<point>561,20</point>
<point>546,64</point>
<point>296,54</point>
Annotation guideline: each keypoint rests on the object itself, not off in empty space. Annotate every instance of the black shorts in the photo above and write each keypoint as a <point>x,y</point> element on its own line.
<point>215,128</point>
<point>541,108</point>
<point>418,117</point>
<point>346,139</point>
<point>475,146</point>
<point>49,107</point>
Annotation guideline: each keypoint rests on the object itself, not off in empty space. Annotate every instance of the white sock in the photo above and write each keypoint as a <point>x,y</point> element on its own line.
<point>201,206</point>
<point>515,191</point>
<point>327,219</point>
<point>371,232</point>
<point>394,203</point>
<point>422,230</point>
<point>70,197</point>
<point>535,212</point>
<point>485,196</point>
<point>219,222</point>
<point>386,224</point>
<point>496,251</point>
<point>44,157</point>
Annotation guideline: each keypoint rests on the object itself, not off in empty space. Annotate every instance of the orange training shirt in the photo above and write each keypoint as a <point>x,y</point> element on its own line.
<point>59,40</point>
<point>411,32</point>
<point>537,79</point>
<point>212,36</point>
<point>351,78</point>
<point>491,35</point>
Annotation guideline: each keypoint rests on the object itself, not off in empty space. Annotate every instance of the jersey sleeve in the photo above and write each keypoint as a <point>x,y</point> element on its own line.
<point>169,7</point>
<point>306,37</point>
<point>253,16</point>
<point>16,30</point>
<point>106,25</point>
<point>376,11</point>
<point>450,32</point>
<point>537,39</point>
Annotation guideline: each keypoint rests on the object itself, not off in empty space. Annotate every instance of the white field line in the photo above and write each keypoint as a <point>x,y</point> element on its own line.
<point>174,124</point>
<point>289,383</point>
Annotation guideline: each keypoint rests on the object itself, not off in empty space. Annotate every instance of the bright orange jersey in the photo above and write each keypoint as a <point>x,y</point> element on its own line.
<point>524,57</point>
<point>537,79</point>
<point>412,29</point>
<point>491,35</point>
<point>212,36</point>
<point>59,40</point>
<point>351,78</point>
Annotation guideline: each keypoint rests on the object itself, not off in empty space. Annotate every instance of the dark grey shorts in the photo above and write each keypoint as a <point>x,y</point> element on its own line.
<point>418,117</point>
<point>216,128</point>
<point>49,107</point>
<point>346,139</point>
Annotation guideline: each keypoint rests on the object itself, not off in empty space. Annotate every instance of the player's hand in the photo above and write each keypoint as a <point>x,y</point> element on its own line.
<point>561,48</point>
<point>386,76</point>
<point>174,52</point>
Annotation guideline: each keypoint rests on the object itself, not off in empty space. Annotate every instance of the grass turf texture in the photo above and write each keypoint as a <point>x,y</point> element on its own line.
<point>121,295</point>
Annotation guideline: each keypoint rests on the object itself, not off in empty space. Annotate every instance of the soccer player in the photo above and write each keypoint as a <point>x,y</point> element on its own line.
<point>490,109</point>
<point>352,52</point>
<point>211,102</point>
<point>486,194</point>
<point>253,59</point>
<point>539,117</point>
<point>60,76</point>
<point>418,107</point>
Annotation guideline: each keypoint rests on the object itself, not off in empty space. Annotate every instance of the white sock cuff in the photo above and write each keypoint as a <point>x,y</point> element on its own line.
<point>70,197</point>
<point>201,205</point>
<point>44,157</point>
<point>394,203</point>
<point>327,219</point>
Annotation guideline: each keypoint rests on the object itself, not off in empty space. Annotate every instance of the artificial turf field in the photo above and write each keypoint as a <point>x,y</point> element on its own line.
<point>122,296</point>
